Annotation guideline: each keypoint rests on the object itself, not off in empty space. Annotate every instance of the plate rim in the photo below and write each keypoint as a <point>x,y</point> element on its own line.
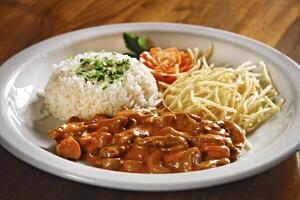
<point>144,182</point>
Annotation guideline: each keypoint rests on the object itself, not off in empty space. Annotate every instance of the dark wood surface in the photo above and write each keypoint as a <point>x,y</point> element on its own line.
<point>25,22</point>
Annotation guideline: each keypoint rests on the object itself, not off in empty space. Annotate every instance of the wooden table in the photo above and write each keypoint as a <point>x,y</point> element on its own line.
<point>25,22</point>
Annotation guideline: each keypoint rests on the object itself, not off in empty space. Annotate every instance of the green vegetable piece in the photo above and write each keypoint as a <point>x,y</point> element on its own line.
<point>134,43</point>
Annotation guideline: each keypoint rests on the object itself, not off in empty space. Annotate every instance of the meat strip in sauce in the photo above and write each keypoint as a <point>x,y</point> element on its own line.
<point>157,141</point>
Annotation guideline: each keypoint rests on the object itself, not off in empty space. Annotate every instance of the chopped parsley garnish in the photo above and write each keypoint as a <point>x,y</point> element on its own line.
<point>103,70</point>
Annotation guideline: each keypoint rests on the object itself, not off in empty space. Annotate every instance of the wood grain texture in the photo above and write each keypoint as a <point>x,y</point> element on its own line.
<point>25,22</point>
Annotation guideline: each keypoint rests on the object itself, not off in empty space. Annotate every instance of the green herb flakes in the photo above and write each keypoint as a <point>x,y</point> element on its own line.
<point>105,70</point>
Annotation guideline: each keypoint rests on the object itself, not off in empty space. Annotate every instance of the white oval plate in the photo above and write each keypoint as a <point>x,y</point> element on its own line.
<point>23,75</point>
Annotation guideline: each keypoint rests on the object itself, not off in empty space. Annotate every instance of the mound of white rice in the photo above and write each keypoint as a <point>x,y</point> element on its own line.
<point>68,95</point>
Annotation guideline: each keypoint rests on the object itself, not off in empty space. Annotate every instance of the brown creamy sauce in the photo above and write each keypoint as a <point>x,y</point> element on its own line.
<point>160,141</point>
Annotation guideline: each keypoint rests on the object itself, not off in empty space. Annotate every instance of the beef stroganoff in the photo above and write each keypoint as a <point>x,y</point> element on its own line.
<point>157,110</point>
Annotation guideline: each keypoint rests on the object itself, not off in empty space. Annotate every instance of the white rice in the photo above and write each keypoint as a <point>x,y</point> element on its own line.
<point>68,95</point>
